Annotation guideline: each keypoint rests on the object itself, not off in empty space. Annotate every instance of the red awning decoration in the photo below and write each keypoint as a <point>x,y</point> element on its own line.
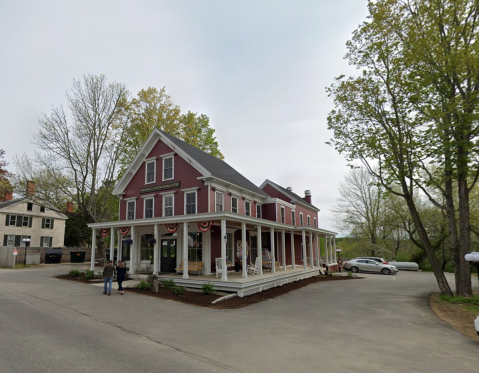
<point>172,227</point>
<point>205,226</point>
<point>105,232</point>
<point>124,230</point>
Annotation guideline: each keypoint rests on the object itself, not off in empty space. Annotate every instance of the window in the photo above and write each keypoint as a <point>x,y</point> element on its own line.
<point>190,203</point>
<point>293,218</point>
<point>168,206</point>
<point>42,208</point>
<point>130,210</point>
<point>12,220</point>
<point>309,221</point>
<point>150,172</point>
<point>301,219</point>
<point>168,168</point>
<point>258,211</point>
<point>247,208</point>
<point>29,206</point>
<point>282,214</point>
<point>47,223</point>
<point>234,205</point>
<point>314,222</point>
<point>21,238</point>
<point>229,248</point>
<point>149,203</point>
<point>195,246</point>
<point>26,221</point>
<point>45,242</point>
<point>219,201</point>
<point>9,240</point>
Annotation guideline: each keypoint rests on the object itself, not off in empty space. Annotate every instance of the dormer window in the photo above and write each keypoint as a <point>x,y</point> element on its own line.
<point>168,166</point>
<point>150,176</point>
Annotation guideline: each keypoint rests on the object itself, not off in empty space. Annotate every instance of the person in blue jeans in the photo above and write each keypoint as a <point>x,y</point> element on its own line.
<point>108,273</point>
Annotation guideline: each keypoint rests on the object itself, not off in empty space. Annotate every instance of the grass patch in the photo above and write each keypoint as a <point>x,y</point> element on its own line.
<point>469,304</point>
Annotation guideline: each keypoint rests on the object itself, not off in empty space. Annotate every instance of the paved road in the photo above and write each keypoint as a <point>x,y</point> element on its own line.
<point>380,323</point>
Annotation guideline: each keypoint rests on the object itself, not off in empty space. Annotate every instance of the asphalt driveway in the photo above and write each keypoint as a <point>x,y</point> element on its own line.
<point>379,323</point>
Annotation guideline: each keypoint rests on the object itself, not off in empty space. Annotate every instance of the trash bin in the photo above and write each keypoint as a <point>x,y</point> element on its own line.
<point>53,256</point>
<point>77,256</point>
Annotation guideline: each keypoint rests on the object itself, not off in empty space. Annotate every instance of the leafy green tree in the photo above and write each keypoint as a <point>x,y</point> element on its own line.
<point>5,186</point>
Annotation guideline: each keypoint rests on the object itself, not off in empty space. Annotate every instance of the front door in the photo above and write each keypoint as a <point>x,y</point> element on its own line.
<point>168,255</point>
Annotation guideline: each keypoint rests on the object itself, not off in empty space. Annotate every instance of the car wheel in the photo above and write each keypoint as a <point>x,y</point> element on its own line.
<point>354,269</point>
<point>386,271</point>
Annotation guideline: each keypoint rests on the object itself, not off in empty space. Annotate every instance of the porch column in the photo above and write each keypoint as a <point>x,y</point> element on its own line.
<point>334,249</point>
<point>318,250</point>
<point>156,264</point>
<point>273,267</point>
<point>305,259</point>
<point>326,255</point>
<point>331,255</point>
<point>260,248</point>
<point>224,271</point>
<point>311,258</point>
<point>243,250</point>
<point>112,244</point>
<point>93,249</point>
<point>185,250</point>
<point>283,247</point>
<point>120,247</point>
<point>293,255</point>
<point>133,251</point>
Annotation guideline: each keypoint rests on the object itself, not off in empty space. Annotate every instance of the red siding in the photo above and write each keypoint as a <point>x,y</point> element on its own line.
<point>269,211</point>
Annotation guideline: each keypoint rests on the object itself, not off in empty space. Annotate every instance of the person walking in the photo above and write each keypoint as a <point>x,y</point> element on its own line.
<point>120,276</point>
<point>108,273</point>
<point>340,265</point>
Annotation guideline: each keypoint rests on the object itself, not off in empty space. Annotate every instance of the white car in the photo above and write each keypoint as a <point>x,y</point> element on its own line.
<point>476,324</point>
<point>369,265</point>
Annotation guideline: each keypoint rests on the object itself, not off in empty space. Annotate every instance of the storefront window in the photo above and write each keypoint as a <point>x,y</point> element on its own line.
<point>146,248</point>
<point>195,246</point>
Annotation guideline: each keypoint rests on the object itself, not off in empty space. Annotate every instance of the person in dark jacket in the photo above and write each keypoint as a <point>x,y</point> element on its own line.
<point>108,274</point>
<point>120,276</point>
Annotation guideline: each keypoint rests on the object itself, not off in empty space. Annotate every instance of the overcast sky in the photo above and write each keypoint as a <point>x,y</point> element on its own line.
<point>258,69</point>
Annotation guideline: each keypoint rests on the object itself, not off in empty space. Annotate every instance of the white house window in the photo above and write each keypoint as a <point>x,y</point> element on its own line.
<point>229,248</point>
<point>309,221</point>
<point>282,214</point>
<point>301,219</point>
<point>219,201</point>
<point>29,206</point>
<point>150,172</point>
<point>22,244</point>
<point>234,205</point>
<point>293,218</point>
<point>258,211</point>
<point>314,222</point>
<point>42,208</point>
<point>195,246</point>
<point>190,203</point>
<point>47,223</point>
<point>168,168</point>
<point>130,210</point>
<point>26,221</point>
<point>45,242</point>
<point>10,240</point>
<point>247,208</point>
<point>12,220</point>
<point>168,205</point>
<point>149,203</point>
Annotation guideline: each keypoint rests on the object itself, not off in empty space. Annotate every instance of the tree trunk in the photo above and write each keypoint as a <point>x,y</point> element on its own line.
<point>462,269</point>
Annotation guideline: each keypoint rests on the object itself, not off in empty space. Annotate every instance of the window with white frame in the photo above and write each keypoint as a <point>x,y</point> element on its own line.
<point>247,208</point>
<point>314,222</point>
<point>190,202</point>
<point>150,172</point>
<point>282,214</point>
<point>42,208</point>
<point>26,221</point>
<point>29,206</point>
<point>47,223</point>
<point>229,248</point>
<point>168,173</point>
<point>23,244</point>
<point>293,218</point>
<point>10,240</point>
<point>149,209</point>
<point>45,241</point>
<point>219,201</point>
<point>234,204</point>
<point>11,219</point>
<point>168,204</point>
<point>258,211</point>
<point>130,210</point>
<point>309,221</point>
<point>301,219</point>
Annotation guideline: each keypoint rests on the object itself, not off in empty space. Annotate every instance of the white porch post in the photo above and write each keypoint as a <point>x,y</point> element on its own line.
<point>283,247</point>
<point>120,247</point>
<point>156,263</point>
<point>93,249</point>
<point>133,251</point>
<point>311,257</point>
<point>305,259</point>
<point>331,255</point>
<point>185,250</point>
<point>334,249</point>
<point>293,255</point>
<point>318,251</point>
<point>260,248</point>
<point>326,255</point>
<point>273,259</point>
<point>224,271</point>
<point>243,250</point>
<point>112,244</point>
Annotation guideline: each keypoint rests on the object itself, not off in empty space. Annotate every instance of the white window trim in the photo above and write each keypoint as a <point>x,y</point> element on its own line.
<point>164,157</point>
<point>315,223</point>
<point>237,207</point>
<point>309,220</point>
<point>134,207</point>
<point>152,197</point>
<point>150,160</point>
<point>301,219</point>
<point>261,209</point>
<point>185,192</point>
<point>13,239</point>
<point>49,220</point>
<point>282,214</point>
<point>245,202</point>
<point>293,218</point>
<point>173,204</point>
<point>223,200</point>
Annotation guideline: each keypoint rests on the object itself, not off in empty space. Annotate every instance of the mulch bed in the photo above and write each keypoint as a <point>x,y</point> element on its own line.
<point>199,299</point>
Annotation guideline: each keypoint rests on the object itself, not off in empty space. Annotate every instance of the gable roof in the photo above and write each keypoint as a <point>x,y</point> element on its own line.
<point>15,201</point>
<point>10,202</point>
<point>206,164</point>
<point>294,197</point>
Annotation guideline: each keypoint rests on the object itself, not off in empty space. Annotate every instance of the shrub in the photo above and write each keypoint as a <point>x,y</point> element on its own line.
<point>89,274</point>
<point>178,290</point>
<point>168,284</point>
<point>208,288</point>
<point>99,274</point>
<point>74,273</point>
<point>143,286</point>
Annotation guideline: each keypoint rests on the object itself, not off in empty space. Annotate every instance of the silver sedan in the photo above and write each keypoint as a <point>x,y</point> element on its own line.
<point>369,265</point>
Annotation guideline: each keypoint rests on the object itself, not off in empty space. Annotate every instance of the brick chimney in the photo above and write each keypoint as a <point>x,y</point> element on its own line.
<point>307,196</point>
<point>30,191</point>
<point>8,195</point>
<point>69,206</point>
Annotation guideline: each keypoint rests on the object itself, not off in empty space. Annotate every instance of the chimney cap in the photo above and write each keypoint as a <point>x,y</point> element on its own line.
<point>307,192</point>
<point>289,189</point>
